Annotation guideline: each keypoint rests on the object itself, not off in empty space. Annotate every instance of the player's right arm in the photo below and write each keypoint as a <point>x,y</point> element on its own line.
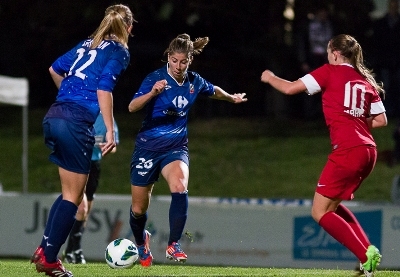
<point>377,120</point>
<point>57,78</point>
<point>282,85</point>
<point>138,103</point>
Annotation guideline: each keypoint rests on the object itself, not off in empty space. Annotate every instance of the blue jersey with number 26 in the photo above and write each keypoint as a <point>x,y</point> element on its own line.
<point>88,70</point>
<point>165,125</point>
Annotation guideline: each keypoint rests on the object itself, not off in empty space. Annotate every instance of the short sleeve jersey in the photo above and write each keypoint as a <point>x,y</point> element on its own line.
<point>165,124</point>
<point>88,70</point>
<point>347,100</point>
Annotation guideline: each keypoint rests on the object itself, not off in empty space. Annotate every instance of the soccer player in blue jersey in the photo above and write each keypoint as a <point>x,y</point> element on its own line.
<point>161,144</point>
<point>73,253</point>
<point>85,77</point>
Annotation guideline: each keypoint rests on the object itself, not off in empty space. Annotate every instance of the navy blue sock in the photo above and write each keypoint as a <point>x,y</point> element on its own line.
<point>138,224</point>
<point>63,220</point>
<point>49,220</point>
<point>177,216</point>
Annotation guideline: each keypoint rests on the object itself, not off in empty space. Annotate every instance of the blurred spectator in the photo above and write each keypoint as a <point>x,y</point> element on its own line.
<point>386,56</point>
<point>310,42</point>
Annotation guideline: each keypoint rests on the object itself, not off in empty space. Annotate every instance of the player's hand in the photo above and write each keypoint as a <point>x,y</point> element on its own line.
<point>266,76</point>
<point>158,87</point>
<point>239,98</point>
<point>110,143</point>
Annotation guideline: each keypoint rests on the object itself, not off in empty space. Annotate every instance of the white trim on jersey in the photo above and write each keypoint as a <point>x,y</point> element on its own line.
<point>377,108</point>
<point>311,84</point>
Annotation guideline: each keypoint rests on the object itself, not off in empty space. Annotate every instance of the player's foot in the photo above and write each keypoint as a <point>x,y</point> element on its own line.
<point>174,252</point>
<point>145,257</point>
<point>374,258</point>
<point>52,269</point>
<point>68,258</point>
<point>39,252</point>
<point>79,258</point>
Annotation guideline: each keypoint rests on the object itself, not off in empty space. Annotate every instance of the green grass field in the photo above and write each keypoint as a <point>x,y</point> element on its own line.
<point>18,268</point>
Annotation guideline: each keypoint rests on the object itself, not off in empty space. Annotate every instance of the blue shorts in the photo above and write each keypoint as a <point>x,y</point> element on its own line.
<point>71,143</point>
<point>146,165</point>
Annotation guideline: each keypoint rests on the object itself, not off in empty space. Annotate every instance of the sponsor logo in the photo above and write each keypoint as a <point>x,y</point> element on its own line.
<point>180,101</point>
<point>119,265</point>
<point>169,112</point>
<point>355,112</point>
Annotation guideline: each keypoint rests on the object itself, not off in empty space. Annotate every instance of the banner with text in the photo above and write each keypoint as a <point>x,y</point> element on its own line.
<point>219,231</point>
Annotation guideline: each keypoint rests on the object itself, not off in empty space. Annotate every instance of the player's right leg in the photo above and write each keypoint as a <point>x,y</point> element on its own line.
<point>137,221</point>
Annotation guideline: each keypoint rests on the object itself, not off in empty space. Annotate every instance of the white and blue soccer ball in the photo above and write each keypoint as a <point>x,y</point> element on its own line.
<point>121,253</point>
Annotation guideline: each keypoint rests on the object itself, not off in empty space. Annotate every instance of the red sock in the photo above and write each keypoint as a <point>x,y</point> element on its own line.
<point>349,217</point>
<point>340,230</point>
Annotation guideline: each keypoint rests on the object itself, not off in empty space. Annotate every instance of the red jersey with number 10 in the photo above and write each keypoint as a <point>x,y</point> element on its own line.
<point>347,100</point>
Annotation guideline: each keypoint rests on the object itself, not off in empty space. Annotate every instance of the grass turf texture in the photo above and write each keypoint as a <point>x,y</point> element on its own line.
<point>18,268</point>
<point>230,157</point>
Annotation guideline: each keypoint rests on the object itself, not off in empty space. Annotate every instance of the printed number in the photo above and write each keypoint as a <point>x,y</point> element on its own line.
<point>352,94</point>
<point>78,72</point>
<point>145,164</point>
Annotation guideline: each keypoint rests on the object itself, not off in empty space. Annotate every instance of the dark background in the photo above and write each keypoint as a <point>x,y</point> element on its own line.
<point>246,37</point>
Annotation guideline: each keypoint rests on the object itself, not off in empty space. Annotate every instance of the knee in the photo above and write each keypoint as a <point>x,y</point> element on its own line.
<point>316,215</point>
<point>138,211</point>
<point>82,211</point>
<point>178,187</point>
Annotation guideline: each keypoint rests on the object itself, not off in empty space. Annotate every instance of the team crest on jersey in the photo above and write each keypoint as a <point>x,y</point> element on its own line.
<point>191,88</point>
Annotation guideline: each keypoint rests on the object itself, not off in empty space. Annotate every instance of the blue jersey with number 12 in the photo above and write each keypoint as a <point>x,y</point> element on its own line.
<point>165,125</point>
<point>88,70</point>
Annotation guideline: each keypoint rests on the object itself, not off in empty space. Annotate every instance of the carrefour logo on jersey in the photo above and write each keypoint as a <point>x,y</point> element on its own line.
<point>180,101</point>
<point>311,242</point>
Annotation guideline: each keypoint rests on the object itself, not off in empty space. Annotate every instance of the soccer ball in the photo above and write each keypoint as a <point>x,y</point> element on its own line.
<point>121,253</point>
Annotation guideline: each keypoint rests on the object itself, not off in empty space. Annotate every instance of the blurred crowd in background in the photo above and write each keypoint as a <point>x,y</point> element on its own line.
<point>287,36</point>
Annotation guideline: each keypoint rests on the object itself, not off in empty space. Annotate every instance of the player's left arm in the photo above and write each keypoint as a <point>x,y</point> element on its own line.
<point>221,94</point>
<point>105,99</point>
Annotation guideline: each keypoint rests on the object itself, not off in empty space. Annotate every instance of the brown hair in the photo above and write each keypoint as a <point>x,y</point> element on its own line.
<point>349,48</point>
<point>118,18</point>
<point>183,44</point>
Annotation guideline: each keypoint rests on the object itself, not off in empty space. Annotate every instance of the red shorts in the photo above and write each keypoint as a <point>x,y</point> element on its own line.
<point>345,170</point>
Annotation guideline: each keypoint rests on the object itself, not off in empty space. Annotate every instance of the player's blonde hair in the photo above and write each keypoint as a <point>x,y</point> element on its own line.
<point>183,44</point>
<point>115,24</point>
<point>349,48</point>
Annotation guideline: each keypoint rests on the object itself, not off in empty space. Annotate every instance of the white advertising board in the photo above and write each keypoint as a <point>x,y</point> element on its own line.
<point>219,231</point>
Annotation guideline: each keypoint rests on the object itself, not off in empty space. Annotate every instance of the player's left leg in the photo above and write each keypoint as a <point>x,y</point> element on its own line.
<point>176,174</point>
<point>39,252</point>
<point>350,218</point>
